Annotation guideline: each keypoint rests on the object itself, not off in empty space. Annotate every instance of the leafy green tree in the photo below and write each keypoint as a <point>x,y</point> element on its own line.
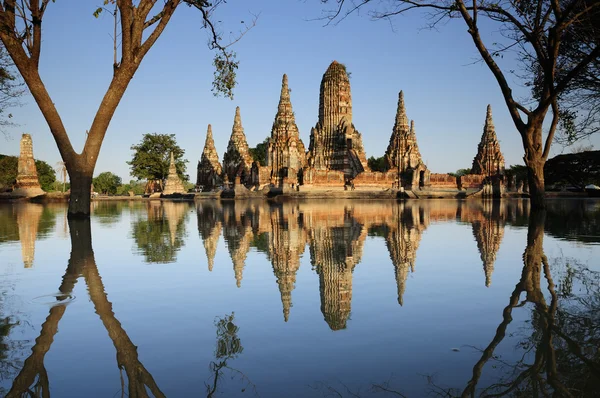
<point>460,172</point>
<point>46,175</point>
<point>575,169</point>
<point>107,183</point>
<point>518,171</point>
<point>137,26</point>
<point>9,166</point>
<point>152,157</point>
<point>8,171</point>
<point>137,187</point>
<point>377,164</point>
<point>259,152</point>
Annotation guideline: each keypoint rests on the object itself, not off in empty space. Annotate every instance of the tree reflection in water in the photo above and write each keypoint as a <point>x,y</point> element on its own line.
<point>572,329</point>
<point>229,347</point>
<point>33,379</point>
<point>162,233</point>
<point>559,346</point>
<point>561,349</point>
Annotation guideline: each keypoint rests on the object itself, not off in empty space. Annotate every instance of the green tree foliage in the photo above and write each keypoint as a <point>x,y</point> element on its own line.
<point>46,175</point>
<point>137,187</point>
<point>107,183</point>
<point>259,152</point>
<point>9,168</point>
<point>518,171</point>
<point>152,156</point>
<point>460,172</point>
<point>573,169</point>
<point>377,164</point>
<point>8,171</point>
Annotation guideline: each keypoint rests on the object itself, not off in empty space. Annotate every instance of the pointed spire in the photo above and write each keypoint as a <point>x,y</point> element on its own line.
<point>284,110</point>
<point>285,92</point>
<point>489,160</point>
<point>209,153</point>
<point>209,136</point>
<point>172,163</point>
<point>237,120</point>
<point>488,130</point>
<point>173,183</point>
<point>401,118</point>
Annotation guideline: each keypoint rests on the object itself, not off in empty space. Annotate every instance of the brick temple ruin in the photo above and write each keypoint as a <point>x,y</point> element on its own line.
<point>28,183</point>
<point>336,155</point>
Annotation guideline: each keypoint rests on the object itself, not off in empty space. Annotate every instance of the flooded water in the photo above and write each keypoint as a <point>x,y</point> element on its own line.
<point>301,299</point>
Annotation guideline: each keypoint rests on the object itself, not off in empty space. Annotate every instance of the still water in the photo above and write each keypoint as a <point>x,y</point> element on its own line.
<point>301,299</point>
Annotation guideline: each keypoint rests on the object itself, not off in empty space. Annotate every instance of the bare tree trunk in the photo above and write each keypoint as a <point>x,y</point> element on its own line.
<point>81,185</point>
<point>535,160</point>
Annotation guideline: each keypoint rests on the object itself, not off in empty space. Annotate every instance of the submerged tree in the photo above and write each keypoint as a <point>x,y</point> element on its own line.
<point>556,42</point>
<point>141,24</point>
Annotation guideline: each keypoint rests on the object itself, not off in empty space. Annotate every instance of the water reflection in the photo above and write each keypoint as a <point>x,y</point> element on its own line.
<point>539,373</point>
<point>27,223</point>
<point>557,348</point>
<point>161,233</point>
<point>336,232</point>
<point>229,347</point>
<point>33,378</point>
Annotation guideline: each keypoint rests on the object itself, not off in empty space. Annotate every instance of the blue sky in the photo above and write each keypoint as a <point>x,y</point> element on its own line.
<point>446,93</point>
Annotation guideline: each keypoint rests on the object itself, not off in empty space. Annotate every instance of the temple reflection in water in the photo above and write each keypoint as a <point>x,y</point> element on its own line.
<point>306,244</point>
<point>335,235</point>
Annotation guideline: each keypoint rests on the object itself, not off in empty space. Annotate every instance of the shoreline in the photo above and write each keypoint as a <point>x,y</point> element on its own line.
<point>362,194</point>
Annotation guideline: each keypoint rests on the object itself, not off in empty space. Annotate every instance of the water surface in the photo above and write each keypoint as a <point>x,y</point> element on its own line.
<point>300,299</point>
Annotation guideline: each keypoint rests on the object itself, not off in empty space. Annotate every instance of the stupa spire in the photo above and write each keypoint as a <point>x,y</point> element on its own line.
<point>174,183</point>
<point>489,160</point>
<point>401,118</point>
<point>237,156</point>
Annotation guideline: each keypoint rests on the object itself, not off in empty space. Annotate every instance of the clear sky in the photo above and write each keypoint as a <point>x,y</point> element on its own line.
<point>446,92</point>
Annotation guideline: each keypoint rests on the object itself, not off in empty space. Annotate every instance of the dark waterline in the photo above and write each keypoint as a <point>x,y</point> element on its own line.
<point>315,298</point>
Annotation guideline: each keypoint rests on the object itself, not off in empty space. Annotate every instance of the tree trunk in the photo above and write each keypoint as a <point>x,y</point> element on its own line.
<point>535,175</point>
<point>535,160</point>
<point>81,185</point>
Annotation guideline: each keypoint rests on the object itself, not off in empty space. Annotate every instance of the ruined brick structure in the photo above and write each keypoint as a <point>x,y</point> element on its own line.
<point>335,144</point>
<point>286,154</point>
<point>28,183</point>
<point>237,161</point>
<point>403,153</point>
<point>173,183</point>
<point>489,160</point>
<point>209,168</point>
